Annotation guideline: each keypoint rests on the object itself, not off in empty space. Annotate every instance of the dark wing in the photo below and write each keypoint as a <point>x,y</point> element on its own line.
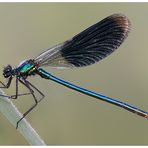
<point>89,46</point>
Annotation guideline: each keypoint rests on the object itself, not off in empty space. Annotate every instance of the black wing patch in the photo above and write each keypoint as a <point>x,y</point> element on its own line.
<point>89,46</point>
<point>96,42</point>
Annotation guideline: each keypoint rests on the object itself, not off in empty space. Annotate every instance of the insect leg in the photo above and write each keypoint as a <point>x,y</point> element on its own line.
<point>7,85</point>
<point>37,91</point>
<point>16,92</point>
<point>29,85</point>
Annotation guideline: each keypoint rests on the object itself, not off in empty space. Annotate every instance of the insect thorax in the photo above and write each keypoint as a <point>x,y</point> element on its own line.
<point>27,67</point>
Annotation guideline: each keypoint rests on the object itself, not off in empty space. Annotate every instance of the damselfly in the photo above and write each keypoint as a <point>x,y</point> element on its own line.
<point>86,48</point>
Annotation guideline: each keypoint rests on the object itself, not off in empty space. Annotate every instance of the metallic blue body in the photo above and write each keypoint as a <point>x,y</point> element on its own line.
<point>86,48</point>
<point>128,107</point>
<point>25,67</point>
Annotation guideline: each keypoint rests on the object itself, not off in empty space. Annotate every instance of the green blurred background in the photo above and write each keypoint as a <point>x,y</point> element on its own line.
<point>66,117</point>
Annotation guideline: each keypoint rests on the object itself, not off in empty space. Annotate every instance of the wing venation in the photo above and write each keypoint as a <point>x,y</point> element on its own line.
<point>89,46</point>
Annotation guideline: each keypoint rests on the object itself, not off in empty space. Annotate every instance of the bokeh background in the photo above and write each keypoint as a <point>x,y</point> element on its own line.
<point>66,117</point>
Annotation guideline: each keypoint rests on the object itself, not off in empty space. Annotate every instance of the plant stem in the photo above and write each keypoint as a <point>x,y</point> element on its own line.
<point>9,110</point>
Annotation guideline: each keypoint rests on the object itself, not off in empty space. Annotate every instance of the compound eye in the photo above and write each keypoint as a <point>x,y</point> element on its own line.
<point>6,75</point>
<point>7,71</point>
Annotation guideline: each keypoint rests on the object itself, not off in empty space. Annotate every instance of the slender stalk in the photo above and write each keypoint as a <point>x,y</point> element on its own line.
<point>9,110</point>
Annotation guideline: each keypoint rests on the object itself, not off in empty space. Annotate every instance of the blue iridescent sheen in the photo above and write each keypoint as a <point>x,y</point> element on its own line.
<point>25,66</point>
<point>88,47</point>
<point>99,96</point>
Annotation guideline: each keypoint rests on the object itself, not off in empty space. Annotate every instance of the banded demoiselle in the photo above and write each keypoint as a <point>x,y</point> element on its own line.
<point>86,48</point>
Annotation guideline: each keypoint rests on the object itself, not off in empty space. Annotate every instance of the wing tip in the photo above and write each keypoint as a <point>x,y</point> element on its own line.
<point>122,21</point>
